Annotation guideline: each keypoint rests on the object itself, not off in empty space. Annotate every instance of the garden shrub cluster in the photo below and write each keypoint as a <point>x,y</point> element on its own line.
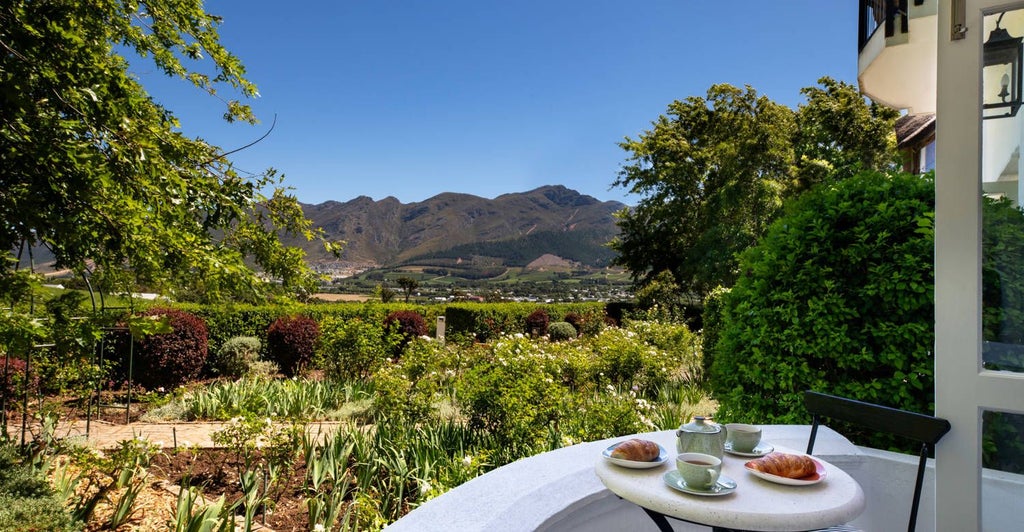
<point>484,322</point>
<point>527,392</point>
<point>836,298</point>
<point>15,380</point>
<point>537,323</point>
<point>352,348</point>
<point>173,358</point>
<point>292,342</point>
<point>27,501</point>
<point>407,324</point>
<point>236,356</point>
<point>561,331</point>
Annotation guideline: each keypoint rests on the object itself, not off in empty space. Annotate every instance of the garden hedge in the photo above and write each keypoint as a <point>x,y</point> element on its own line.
<point>838,298</point>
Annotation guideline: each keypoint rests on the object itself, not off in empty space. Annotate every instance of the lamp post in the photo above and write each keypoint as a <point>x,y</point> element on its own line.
<point>1002,61</point>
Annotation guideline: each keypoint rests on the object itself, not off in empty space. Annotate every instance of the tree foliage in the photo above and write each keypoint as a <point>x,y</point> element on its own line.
<point>713,173</point>
<point>97,171</point>
<point>408,285</point>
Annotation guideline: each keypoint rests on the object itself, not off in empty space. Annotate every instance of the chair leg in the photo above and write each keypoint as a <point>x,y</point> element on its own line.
<point>814,433</point>
<point>922,462</point>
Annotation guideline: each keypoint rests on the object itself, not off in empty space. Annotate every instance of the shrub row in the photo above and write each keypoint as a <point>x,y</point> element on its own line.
<point>346,340</point>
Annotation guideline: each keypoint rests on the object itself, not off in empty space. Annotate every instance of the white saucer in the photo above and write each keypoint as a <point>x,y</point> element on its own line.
<point>635,464</point>
<point>724,486</point>
<point>760,450</point>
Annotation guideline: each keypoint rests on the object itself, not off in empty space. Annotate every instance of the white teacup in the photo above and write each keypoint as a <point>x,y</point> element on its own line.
<point>741,437</point>
<point>699,470</point>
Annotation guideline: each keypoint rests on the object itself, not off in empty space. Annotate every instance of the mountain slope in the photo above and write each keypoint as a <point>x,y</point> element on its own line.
<point>515,227</point>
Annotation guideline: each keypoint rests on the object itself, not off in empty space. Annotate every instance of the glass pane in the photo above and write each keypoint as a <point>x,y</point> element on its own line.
<point>1003,219</point>
<point>1002,488</point>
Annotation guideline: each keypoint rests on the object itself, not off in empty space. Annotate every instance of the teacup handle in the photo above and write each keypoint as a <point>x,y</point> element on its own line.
<point>713,473</point>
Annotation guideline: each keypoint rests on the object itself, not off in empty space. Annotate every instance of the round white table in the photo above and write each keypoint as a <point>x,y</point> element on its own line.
<point>755,505</point>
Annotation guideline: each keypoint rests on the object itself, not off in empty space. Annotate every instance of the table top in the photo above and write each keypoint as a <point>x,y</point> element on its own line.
<point>756,504</point>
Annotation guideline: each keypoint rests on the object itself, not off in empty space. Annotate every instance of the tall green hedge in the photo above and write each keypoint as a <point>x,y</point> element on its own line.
<point>837,298</point>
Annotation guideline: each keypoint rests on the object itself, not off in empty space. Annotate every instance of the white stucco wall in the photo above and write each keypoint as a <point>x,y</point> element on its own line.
<point>559,492</point>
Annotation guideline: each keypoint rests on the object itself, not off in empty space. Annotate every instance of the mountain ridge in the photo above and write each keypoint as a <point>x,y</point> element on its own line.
<point>516,227</point>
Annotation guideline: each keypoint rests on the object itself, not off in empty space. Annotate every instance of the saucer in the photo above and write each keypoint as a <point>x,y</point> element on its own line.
<point>724,486</point>
<point>760,450</point>
<point>636,464</point>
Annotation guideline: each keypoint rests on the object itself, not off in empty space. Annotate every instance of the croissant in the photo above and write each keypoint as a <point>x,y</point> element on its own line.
<point>637,450</point>
<point>785,465</point>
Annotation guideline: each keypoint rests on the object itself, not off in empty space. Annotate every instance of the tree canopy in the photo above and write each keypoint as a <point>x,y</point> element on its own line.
<point>713,173</point>
<point>94,169</point>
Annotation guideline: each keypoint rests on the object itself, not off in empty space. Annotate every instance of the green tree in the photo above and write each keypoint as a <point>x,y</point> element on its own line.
<point>98,172</point>
<point>384,292</point>
<point>713,173</point>
<point>839,134</point>
<point>408,284</point>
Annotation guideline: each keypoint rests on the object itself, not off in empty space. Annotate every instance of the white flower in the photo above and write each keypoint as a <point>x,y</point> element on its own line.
<point>467,460</point>
<point>425,488</point>
<point>318,528</point>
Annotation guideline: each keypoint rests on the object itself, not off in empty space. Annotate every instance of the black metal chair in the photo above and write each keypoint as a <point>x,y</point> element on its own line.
<point>927,430</point>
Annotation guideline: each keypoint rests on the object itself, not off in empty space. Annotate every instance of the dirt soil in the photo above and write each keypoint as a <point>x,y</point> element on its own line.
<point>216,473</point>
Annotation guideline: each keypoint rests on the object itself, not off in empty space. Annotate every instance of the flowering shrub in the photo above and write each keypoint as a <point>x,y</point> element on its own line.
<point>291,342</point>
<point>681,347</point>
<point>512,392</point>
<point>596,387</point>
<point>353,348</point>
<point>174,358</point>
<point>409,387</point>
<point>604,414</point>
<point>623,359</point>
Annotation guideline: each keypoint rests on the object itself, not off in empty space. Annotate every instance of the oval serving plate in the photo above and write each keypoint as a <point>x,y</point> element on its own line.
<point>635,464</point>
<point>814,478</point>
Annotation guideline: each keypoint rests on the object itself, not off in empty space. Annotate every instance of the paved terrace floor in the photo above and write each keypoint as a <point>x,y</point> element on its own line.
<point>105,435</point>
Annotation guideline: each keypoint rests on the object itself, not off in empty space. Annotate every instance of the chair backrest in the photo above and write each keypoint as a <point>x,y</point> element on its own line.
<point>927,430</point>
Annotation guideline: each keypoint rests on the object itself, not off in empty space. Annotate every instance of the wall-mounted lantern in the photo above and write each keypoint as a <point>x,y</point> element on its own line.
<point>1002,56</point>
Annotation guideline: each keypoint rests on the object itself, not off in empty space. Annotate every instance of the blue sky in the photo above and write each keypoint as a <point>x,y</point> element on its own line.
<point>412,98</point>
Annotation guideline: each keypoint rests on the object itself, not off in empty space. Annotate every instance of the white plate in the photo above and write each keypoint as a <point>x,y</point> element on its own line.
<point>636,464</point>
<point>760,450</point>
<point>724,486</point>
<point>814,478</point>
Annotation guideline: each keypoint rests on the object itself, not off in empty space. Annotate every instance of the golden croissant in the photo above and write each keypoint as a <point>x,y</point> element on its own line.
<point>637,450</point>
<point>785,465</point>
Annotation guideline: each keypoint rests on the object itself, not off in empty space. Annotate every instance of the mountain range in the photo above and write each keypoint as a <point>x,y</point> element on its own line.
<point>510,230</point>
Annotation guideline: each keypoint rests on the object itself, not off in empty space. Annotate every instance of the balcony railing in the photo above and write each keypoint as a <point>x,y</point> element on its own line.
<point>876,14</point>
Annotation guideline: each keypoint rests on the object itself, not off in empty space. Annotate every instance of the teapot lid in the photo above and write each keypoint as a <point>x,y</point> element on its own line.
<point>698,425</point>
